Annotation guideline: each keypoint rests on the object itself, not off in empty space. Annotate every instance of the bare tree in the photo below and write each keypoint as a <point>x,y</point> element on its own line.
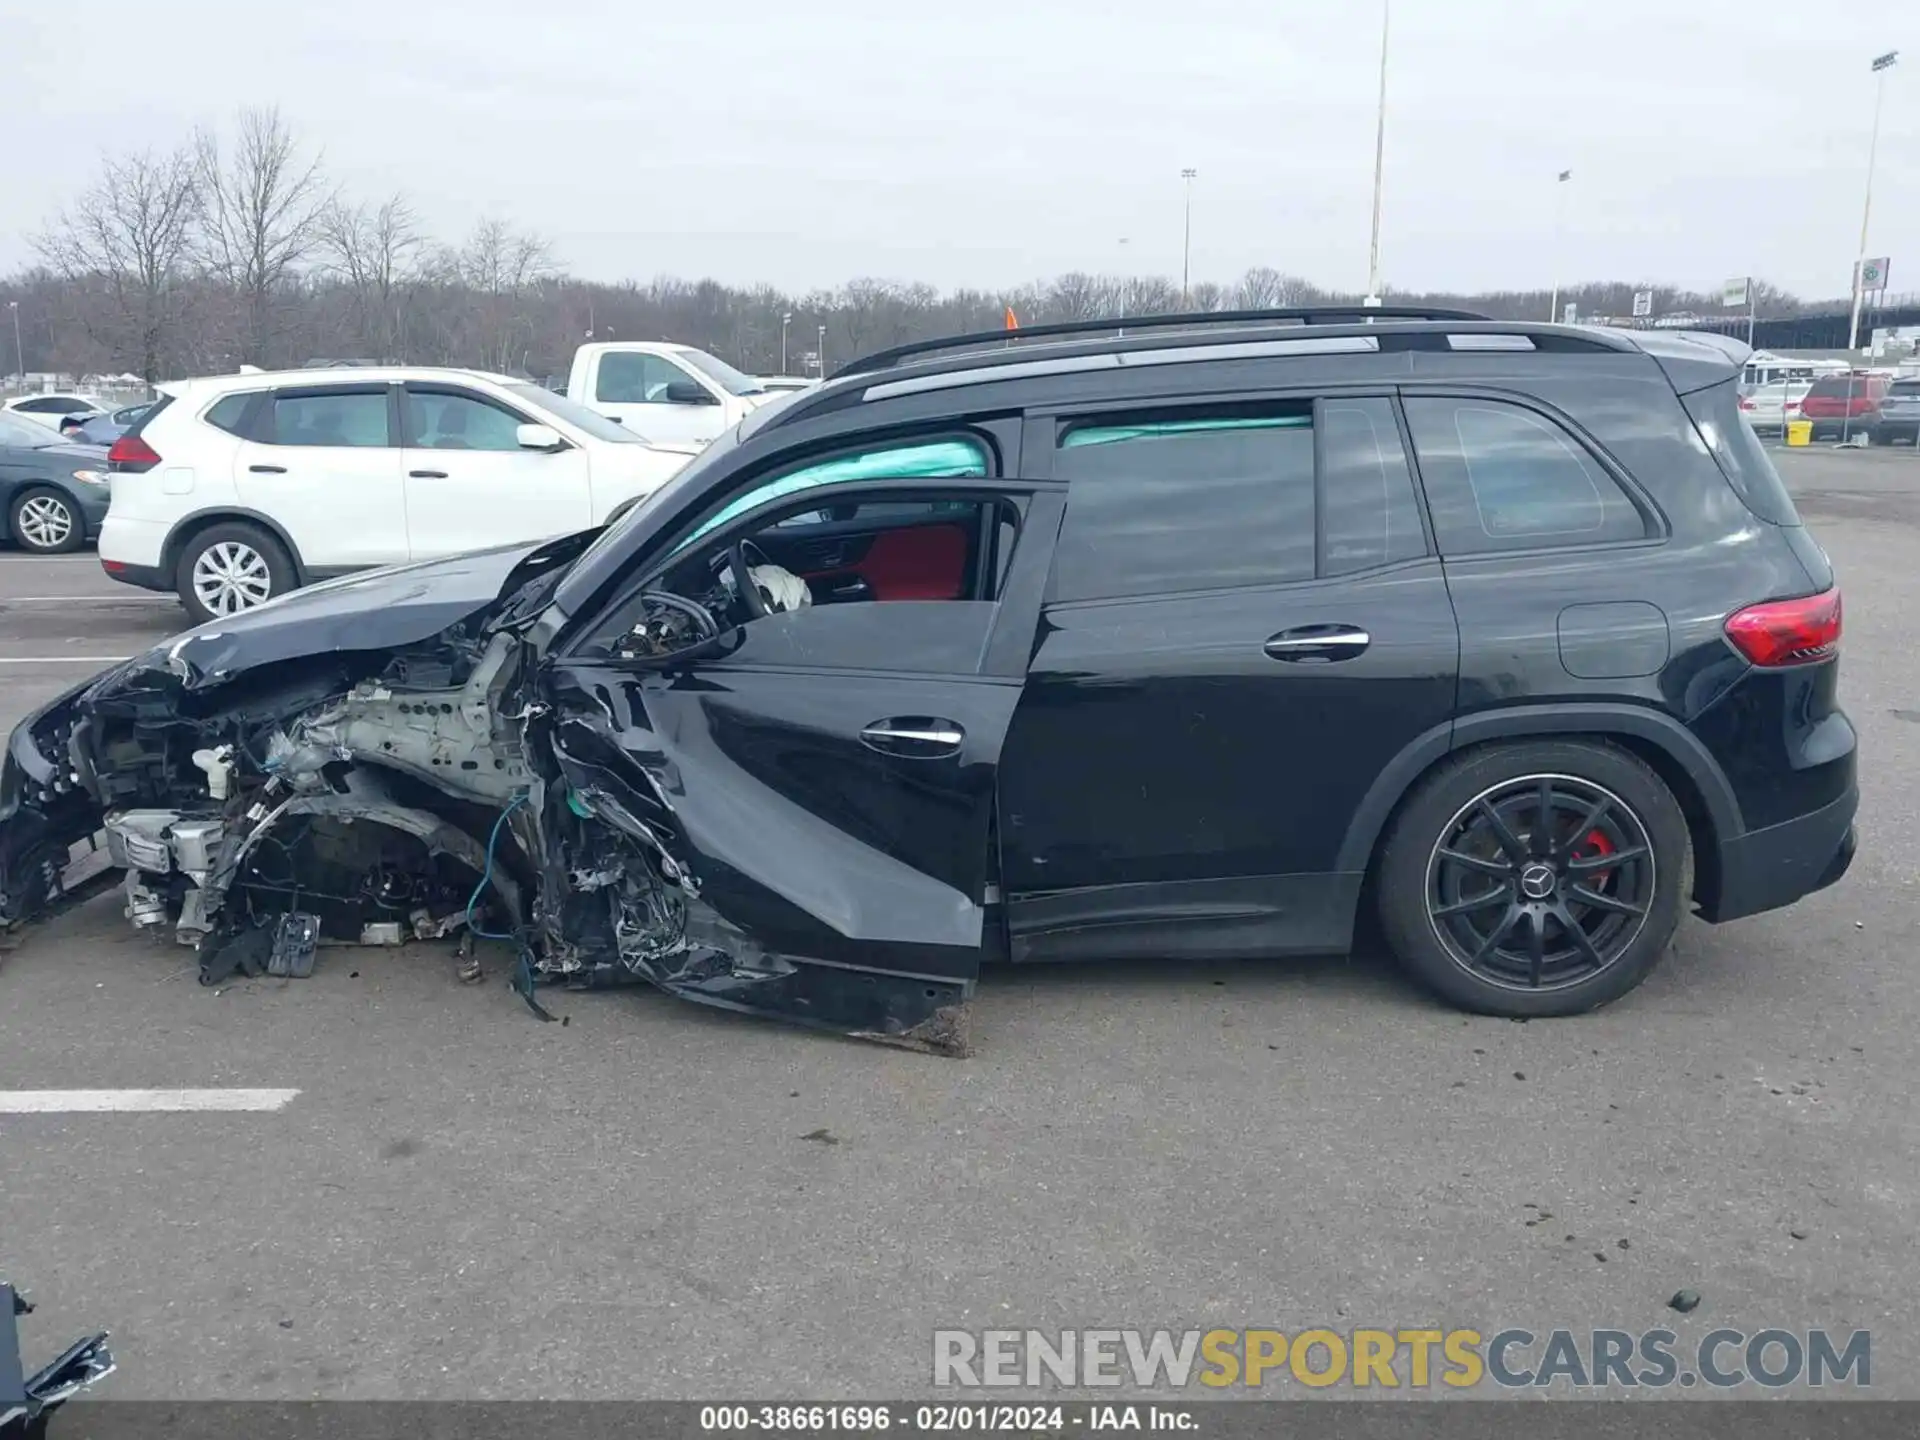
<point>1264,288</point>
<point>373,251</point>
<point>124,246</point>
<point>503,271</point>
<point>263,203</point>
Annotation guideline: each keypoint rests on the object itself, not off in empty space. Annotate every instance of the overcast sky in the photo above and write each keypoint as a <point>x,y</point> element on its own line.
<point>986,142</point>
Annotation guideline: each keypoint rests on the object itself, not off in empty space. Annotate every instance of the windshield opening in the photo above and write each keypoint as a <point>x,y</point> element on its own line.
<point>575,414</point>
<point>722,374</point>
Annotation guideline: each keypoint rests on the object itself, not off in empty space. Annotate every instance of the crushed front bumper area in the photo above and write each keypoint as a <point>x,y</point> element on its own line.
<point>252,819</point>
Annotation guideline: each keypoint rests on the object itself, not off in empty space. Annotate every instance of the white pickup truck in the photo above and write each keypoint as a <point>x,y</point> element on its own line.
<point>667,394</point>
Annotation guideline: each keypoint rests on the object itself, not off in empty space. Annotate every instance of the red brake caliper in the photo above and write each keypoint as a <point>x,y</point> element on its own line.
<point>1594,847</point>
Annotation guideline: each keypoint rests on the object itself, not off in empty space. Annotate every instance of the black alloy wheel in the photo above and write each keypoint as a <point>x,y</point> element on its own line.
<point>1535,877</point>
<point>1541,882</point>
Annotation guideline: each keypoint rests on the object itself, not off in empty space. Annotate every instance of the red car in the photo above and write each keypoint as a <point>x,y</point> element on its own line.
<point>1839,405</point>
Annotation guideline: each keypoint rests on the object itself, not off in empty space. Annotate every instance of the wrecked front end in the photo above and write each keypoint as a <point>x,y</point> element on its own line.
<point>254,801</point>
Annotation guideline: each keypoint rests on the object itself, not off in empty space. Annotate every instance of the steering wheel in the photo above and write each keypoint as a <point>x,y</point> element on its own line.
<point>743,585</point>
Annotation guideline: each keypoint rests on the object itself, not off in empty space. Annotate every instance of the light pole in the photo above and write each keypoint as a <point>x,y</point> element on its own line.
<point>19,353</point>
<point>1559,227</point>
<point>1881,64</point>
<point>786,319</point>
<point>1186,247</point>
<point>822,352</point>
<point>1379,159</point>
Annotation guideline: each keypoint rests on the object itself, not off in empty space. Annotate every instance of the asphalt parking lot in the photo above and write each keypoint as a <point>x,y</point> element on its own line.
<point>654,1200</point>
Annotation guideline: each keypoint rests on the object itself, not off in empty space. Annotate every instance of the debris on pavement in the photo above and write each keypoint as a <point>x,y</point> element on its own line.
<point>26,1400</point>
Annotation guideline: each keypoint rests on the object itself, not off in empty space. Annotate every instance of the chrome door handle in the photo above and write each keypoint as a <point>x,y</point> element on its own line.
<point>920,737</point>
<point>1319,642</point>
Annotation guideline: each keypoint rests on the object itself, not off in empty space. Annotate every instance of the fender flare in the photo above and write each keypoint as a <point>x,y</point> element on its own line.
<point>1529,722</point>
<point>187,525</point>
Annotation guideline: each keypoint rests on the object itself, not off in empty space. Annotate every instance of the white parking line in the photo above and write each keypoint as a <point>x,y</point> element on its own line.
<point>139,1102</point>
<point>62,659</point>
<point>132,596</point>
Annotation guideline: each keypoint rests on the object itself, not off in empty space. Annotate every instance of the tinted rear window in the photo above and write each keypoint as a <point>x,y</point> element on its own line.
<point>229,411</point>
<point>1906,387</point>
<point>1741,457</point>
<point>1500,477</point>
<point>1838,387</point>
<point>1186,501</point>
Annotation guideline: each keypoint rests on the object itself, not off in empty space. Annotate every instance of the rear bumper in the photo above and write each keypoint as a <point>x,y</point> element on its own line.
<point>1766,869</point>
<point>147,577</point>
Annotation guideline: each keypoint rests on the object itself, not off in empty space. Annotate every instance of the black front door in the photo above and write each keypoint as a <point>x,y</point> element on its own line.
<point>828,776</point>
<point>1245,628</point>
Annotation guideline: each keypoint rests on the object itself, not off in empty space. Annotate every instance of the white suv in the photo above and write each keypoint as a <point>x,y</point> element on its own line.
<point>235,489</point>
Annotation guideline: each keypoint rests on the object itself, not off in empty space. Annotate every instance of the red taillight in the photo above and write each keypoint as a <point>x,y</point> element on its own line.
<point>1788,632</point>
<point>1745,404</point>
<point>131,455</point>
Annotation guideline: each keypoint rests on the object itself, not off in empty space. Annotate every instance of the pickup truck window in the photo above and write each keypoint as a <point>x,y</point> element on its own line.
<point>723,374</point>
<point>629,378</point>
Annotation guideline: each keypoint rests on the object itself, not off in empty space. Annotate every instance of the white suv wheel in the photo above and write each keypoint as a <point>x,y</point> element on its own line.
<point>231,576</point>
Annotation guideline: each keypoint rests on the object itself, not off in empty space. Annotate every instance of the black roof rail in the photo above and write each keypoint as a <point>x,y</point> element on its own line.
<point>1298,315</point>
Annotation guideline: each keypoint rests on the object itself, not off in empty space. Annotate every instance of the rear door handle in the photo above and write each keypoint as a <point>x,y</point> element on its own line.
<point>268,469</point>
<point>1319,643</point>
<point>426,474</point>
<point>917,737</point>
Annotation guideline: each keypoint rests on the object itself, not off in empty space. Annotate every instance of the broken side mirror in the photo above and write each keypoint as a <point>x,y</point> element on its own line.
<point>671,630</point>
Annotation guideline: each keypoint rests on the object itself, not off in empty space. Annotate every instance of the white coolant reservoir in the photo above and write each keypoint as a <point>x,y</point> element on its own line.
<point>217,765</point>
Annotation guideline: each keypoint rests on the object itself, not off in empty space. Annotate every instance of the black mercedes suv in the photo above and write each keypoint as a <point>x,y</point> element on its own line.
<point>1203,638</point>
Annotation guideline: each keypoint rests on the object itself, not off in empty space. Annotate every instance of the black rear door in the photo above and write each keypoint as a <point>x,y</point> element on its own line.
<point>1245,626</point>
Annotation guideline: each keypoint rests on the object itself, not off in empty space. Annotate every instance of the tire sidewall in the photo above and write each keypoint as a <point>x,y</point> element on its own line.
<point>279,567</point>
<point>1403,875</point>
<point>76,536</point>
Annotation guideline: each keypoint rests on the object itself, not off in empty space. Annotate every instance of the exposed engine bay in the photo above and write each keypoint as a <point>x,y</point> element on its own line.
<point>255,812</point>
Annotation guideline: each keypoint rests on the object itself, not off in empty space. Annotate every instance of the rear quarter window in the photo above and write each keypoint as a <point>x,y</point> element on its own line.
<point>1502,477</point>
<point>229,412</point>
<point>1715,412</point>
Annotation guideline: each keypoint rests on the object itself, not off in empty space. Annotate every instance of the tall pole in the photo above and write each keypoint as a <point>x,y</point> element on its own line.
<point>1379,158</point>
<point>1559,229</point>
<point>19,352</point>
<point>1881,64</point>
<point>786,319</point>
<point>823,352</point>
<point>1186,248</point>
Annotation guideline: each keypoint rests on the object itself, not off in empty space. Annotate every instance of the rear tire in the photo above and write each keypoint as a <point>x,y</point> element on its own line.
<point>1503,923</point>
<point>46,522</point>
<point>231,568</point>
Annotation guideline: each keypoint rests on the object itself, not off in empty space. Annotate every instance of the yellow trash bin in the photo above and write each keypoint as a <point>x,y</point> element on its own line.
<point>1799,432</point>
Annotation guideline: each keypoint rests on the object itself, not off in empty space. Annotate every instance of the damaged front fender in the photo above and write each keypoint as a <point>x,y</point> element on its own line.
<point>732,840</point>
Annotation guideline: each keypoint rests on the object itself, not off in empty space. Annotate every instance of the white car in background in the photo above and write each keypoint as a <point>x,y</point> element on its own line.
<point>1769,407</point>
<point>49,410</point>
<point>235,489</point>
<point>672,394</point>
